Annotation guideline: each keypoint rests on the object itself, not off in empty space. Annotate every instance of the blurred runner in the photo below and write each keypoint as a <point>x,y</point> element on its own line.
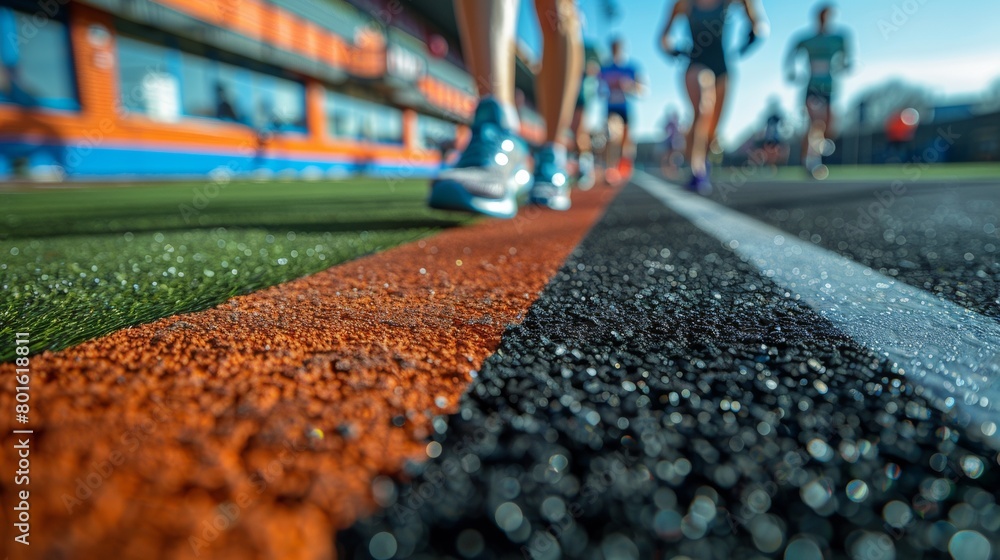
<point>771,134</point>
<point>672,147</point>
<point>772,146</point>
<point>621,81</point>
<point>707,75</point>
<point>581,134</point>
<point>827,53</point>
<point>493,172</point>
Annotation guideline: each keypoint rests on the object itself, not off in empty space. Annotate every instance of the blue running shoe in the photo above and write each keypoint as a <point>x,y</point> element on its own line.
<point>700,184</point>
<point>551,179</point>
<point>491,176</point>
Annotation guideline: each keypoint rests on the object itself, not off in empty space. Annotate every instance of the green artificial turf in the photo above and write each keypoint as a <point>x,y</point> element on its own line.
<point>80,261</point>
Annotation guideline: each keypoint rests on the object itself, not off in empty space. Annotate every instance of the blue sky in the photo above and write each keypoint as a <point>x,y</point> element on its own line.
<point>952,47</point>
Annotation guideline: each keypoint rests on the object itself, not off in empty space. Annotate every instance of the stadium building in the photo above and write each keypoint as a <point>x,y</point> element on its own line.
<point>185,88</point>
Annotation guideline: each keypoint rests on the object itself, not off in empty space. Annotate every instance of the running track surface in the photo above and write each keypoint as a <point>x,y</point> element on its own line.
<point>256,428</point>
<point>692,381</point>
<point>696,383</point>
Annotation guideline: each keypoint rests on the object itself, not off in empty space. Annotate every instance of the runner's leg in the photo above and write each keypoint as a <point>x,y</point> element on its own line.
<point>558,85</point>
<point>700,84</point>
<point>817,136</point>
<point>492,174</point>
<point>721,88</point>
<point>627,153</point>
<point>558,81</point>
<point>805,138</point>
<point>489,32</point>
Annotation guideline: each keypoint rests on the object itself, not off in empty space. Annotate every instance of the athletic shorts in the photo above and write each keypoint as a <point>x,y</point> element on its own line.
<point>712,58</point>
<point>620,110</point>
<point>819,93</point>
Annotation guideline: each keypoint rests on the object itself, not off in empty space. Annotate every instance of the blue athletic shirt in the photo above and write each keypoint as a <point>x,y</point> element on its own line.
<point>615,78</point>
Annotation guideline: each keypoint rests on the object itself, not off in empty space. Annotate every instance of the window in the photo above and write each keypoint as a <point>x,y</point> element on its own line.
<point>384,124</point>
<point>353,118</point>
<point>198,93</point>
<point>37,67</point>
<point>343,118</point>
<point>278,103</point>
<point>147,85</point>
<point>171,78</point>
<point>233,90</point>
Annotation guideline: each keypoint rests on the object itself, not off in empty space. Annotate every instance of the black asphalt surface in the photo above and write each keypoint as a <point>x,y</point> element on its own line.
<point>942,237</point>
<point>663,400</point>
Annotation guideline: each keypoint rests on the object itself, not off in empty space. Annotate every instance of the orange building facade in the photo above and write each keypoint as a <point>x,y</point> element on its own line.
<point>182,88</point>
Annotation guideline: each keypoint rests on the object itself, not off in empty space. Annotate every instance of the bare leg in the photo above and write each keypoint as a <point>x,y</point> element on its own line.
<point>613,148</point>
<point>581,137</point>
<point>819,131</point>
<point>804,154</point>
<point>628,151</point>
<point>700,84</point>
<point>489,30</point>
<point>558,81</point>
<point>721,87</point>
<point>495,166</point>
<point>694,94</point>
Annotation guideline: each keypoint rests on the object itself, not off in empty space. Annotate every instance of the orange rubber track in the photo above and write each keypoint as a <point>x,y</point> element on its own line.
<point>254,429</point>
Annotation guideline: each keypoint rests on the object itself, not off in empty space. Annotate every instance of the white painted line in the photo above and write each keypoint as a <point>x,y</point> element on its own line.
<point>950,351</point>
